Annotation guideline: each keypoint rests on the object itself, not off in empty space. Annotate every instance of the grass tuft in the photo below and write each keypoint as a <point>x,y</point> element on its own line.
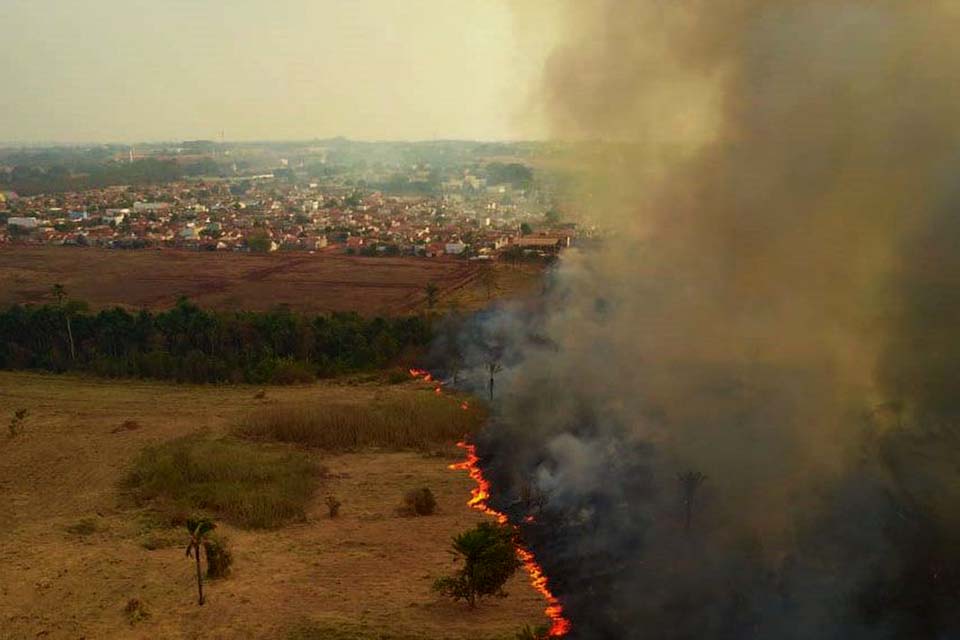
<point>249,486</point>
<point>84,527</point>
<point>396,423</point>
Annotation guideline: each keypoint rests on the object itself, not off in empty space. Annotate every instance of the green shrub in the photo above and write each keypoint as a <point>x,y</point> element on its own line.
<point>489,559</point>
<point>219,557</point>
<point>251,486</point>
<point>291,372</point>
<point>398,376</point>
<point>420,502</point>
<point>411,422</point>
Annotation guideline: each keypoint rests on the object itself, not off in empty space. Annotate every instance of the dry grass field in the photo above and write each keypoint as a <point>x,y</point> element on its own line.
<point>152,278</point>
<point>75,548</point>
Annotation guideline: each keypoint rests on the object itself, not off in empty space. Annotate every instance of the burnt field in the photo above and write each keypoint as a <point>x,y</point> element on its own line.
<point>154,279</point>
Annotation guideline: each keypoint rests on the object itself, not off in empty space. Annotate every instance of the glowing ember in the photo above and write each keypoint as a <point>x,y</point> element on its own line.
<point>422,374</point>
<point>559,625</point>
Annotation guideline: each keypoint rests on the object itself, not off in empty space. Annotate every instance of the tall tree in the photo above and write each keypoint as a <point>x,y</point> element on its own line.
<point>493,367</point>
<point>60,293</point>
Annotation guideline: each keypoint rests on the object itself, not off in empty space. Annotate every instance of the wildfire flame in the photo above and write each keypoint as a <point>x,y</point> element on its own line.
<point>559,625</point>
<point>421,373</point>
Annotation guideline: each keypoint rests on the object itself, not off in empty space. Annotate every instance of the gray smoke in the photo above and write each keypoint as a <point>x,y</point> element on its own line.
<point>777,309</point>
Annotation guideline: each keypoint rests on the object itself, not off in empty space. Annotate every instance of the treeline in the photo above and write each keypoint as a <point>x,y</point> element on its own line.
<point>30,180</point>
<point>189,344</point>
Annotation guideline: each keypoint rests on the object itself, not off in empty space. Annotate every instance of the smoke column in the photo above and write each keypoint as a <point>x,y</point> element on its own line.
<point>776,309</point>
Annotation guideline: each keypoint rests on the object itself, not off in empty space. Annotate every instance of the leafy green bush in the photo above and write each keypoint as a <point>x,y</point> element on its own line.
<point>250,486</point>
<point>489,559</point>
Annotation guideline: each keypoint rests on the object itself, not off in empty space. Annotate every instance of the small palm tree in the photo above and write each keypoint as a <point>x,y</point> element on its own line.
<point>431,291</point>
<point>690,482</point>
<point>489,557</point>
<point>198,529</point>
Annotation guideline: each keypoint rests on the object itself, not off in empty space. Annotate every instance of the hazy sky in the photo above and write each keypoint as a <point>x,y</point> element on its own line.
<point>136,70</point>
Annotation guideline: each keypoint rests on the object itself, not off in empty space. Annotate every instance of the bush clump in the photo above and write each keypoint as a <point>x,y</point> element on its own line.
<point>84,527</point>
<point>15,426</point>
<point>219,556</point>
<point>333,506</point>
<point>135,610</point>
<point>420,502</point>
<point>405,422</point>
<point>250,486</point>
<point>292,372</point>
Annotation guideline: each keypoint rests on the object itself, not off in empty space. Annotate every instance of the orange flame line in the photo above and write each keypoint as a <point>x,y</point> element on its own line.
<point>559,625</point>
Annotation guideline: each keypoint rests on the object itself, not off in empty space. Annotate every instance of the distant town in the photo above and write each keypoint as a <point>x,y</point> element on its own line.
<point>371,199</point>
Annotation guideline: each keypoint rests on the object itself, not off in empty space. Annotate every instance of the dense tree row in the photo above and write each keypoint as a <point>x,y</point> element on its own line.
<point>189,344</point>
<point>31,180</point>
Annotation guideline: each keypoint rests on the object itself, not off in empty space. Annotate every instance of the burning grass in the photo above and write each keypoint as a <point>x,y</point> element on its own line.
<point>402,422</point>
<point>250,486</point>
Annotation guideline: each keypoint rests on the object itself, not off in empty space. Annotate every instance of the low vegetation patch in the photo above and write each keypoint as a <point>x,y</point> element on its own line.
<point>419,502</point>
<point>84,527</point>
<point>219,557</point>
<point>135,610</point>
<point>333,506</point>
<point>126,425</point>
<point>15,426</point>
<point>250,486</point>
<point>411,422</point>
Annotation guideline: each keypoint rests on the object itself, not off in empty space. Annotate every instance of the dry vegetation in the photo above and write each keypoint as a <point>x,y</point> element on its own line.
<point>246,485</point>
<point>400,421</point>
<point>77,550</point>
<point>506,281</point>
<point>151,278</point>
<point>326,281</point>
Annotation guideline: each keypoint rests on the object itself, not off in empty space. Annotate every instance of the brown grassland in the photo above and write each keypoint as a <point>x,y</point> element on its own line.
<point>320,282</point>
<point>80,539</point>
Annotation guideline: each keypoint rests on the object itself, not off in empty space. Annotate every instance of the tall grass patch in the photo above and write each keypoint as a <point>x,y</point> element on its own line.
<point>411,421</point>
<point>249,486</point>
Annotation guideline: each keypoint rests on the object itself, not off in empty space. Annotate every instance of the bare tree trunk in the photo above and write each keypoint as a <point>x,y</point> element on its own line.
<point>199,577</point>
<point>491,388</point>
<point>73,353</point>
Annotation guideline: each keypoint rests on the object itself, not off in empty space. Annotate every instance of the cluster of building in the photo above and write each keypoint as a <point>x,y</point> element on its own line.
<point>269,215</point>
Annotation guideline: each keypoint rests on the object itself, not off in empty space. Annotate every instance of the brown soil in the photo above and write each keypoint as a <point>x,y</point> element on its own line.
<point>154,278</point>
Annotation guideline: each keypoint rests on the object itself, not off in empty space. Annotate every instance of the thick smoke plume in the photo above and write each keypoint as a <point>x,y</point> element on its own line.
<point>777,309</point>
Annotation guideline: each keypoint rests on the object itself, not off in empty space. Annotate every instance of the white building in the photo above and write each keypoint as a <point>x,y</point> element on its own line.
<point>150,206</point>
<point>26,223</point>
